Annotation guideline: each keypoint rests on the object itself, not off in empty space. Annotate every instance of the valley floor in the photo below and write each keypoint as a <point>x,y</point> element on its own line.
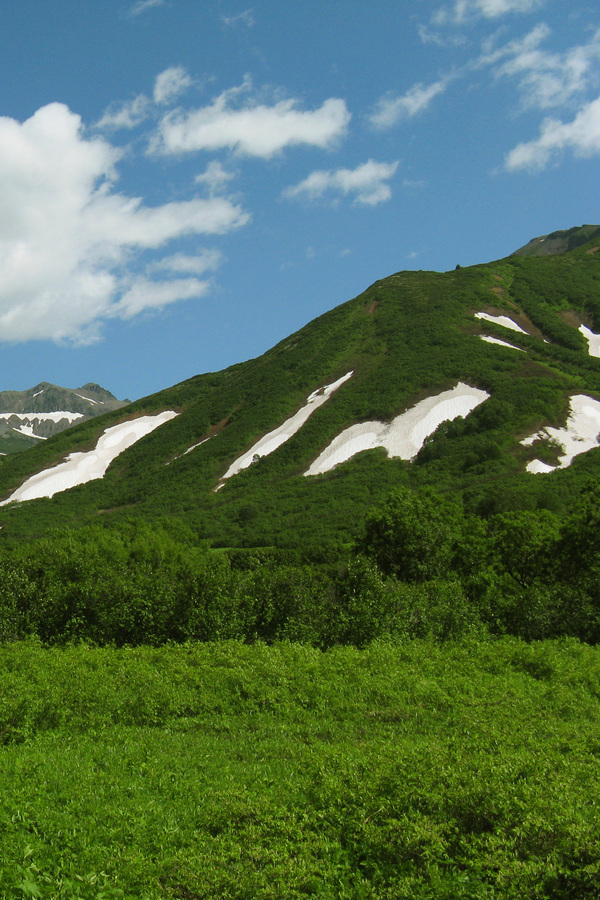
<point>225,770</point>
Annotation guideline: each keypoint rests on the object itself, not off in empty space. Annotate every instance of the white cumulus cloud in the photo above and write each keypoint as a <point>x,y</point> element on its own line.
<point>250,128</point>
<point>66,236</point>
<point>368,183</point>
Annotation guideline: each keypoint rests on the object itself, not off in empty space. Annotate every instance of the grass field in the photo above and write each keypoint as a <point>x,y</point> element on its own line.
<point>467,770</point>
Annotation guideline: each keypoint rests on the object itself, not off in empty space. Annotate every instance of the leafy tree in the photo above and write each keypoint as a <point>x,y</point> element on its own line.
<point>413,536</point>
<point>524,542</point>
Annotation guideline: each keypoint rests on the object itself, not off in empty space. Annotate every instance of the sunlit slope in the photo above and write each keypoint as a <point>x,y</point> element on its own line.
<point>236,460</point>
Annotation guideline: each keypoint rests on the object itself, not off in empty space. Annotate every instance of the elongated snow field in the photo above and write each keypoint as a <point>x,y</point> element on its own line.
<point>80,468</point>
<point>579,435</point>
<point>405,435</point>
<point>493,340</point>
<point>500,320</point>
<point>274,439</point>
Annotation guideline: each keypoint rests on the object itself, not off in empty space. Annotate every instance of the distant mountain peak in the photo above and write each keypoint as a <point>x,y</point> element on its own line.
<point>46,409</point>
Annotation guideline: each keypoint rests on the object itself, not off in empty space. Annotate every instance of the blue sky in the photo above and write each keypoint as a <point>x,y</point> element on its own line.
<point>185,183</point>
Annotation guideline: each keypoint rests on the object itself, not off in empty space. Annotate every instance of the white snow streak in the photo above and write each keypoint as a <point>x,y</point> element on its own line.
<point>579,435</point>
<point>500,320</point>
<point>406,434</point>
<point>493,340</point>
<point>193,447</point>
<point>274,439</point>
<point>80,468</point>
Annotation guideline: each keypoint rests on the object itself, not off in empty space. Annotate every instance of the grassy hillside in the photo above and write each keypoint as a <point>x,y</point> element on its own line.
<point>406,337</point>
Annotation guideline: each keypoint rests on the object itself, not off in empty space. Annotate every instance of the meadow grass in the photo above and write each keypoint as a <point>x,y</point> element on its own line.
<point>415,770</point>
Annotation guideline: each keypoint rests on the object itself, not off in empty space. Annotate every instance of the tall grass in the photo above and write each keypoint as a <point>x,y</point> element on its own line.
<point>231,771</point>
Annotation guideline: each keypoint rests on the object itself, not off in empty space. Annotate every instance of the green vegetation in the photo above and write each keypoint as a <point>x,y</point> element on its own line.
<point>222,770</point>
<point>388,720</point>
<point>379,683</point>
<point>421,568</point>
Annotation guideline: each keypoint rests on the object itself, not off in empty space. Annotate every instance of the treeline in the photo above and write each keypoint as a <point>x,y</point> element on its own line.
<point>422,568</point>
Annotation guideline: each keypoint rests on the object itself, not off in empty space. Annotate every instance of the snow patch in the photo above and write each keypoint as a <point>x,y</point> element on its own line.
<point>80,468</point>
<point>580,434</point>
<point>592,339</point>
<point>493,340</point>
<point>406,434</point>
<point>274,439</point>
<point>500,320</point>
<point>537,467</point>
<point>95,402</point>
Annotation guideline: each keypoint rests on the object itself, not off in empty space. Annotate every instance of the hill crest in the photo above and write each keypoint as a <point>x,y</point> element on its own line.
<point>559,241</point>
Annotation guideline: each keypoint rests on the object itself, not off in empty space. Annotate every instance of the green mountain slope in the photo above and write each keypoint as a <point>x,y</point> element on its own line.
<point>408,337</point>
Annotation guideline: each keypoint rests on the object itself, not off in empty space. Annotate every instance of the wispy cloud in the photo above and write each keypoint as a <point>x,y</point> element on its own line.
<point>392,108</point>
<point>549,79</point>
<point>244,18</point>
<point>236,121</point>
<point>214,176</point>
<point>145,295</point>
<point>143,6</point>
<point>581,135</point>
<point>544,80</point>
<point>125,114</point>
<point>188,264</point>
<point>367,183</point>
<point>170,84</point>
<point>462,11</point>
